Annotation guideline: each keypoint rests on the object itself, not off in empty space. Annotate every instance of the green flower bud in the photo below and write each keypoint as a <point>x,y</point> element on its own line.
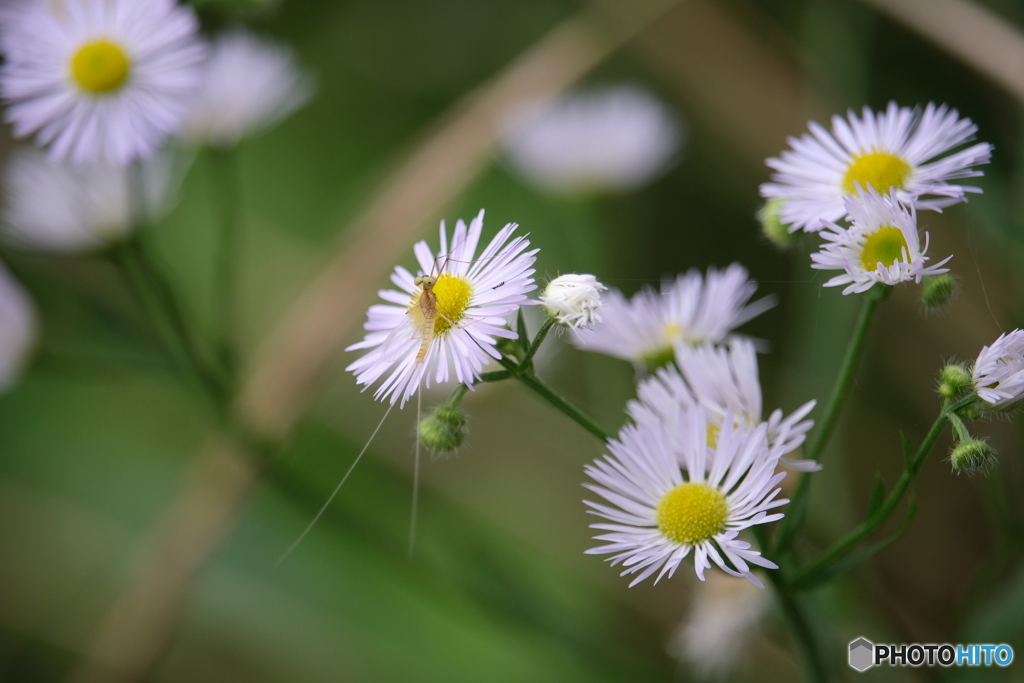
<point>937,291</point>
<point>510,348</point>
<point>444,430</point>
<point>953,380</point>
<point>772,226</point>
<point>971,412</point>
<point>971,455</point>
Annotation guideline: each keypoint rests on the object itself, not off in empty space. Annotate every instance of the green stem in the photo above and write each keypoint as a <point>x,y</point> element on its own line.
<point>132,265</point>
<point>538,340</point>
<point>800,627</point>
<point>854,350</point>
<point>457,395</point>
<point>872,523</point>
<point>562,404</point>
<point>225,283</point>
<point>496,376</point>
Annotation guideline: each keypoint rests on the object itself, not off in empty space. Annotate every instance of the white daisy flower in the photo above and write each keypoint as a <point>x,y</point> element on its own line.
<point>999,371</point>
<point>881,245</point>
<point>99,80</point>
<point>19,328</point>
<point>671,493</point>
<point>573,300</point>
<point>467,298</point>
<point>606,140</point>
<point>722,621</point>
<point>724,381</point>
<point>691,310</point>
<point>900,149</point>
<point>61,207</point>
<point>249,84</point>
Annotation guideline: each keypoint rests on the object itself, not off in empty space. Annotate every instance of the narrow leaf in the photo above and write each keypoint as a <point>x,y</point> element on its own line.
<point>524,338</point>
<point>907,454</point>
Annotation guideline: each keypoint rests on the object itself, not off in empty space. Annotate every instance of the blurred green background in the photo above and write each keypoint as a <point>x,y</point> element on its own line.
<point>98,438</point>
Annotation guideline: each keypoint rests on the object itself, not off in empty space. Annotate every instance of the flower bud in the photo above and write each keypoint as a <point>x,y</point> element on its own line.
<point>772,226</point>
<point>444,430</point>
<point>937,291</point>
<point>953,380</point>
<point>573,300</point>
<point>971,455</point>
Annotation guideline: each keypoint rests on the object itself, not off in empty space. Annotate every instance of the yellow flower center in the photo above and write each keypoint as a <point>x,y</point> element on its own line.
<point>453,294</point>
<point>884,246</point>
<point>879,170</point>
<point>691,513</point>
<point>713,432</point>
<point>100,67</point>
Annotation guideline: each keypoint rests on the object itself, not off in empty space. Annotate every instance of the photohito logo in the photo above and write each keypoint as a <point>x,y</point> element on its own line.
<point>864,654</point>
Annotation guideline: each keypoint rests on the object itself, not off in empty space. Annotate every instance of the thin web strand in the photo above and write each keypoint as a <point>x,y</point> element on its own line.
<point>337,488</point>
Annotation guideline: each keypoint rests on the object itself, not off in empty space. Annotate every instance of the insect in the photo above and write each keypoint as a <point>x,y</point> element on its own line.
<point>425,309</point>
<point>425,313</point>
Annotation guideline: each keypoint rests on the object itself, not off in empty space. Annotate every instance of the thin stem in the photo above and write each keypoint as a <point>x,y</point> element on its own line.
<point>854,350</point>
<point>562,404</point>
<point>800,627</point>
<point>496,376</point>
<point>538,340</point>
<point>132,266</point>
<point>461,390</point>
<point>843,546</point>
<point>226,270</point>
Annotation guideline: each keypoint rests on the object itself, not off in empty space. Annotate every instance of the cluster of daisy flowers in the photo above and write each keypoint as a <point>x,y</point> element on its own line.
<point>115,94</point>
<point>698,464</point>
<point>874,171</point>
<point>115,91</point>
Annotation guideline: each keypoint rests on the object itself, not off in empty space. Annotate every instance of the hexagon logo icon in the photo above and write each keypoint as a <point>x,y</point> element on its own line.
<point>862,654</point>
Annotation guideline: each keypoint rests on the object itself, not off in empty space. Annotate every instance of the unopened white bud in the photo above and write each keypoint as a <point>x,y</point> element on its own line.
<point>573,300</point>
<point>999,371</point>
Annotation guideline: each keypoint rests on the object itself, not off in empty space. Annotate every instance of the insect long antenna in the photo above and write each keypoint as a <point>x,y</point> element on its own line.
<point>415,478</point>
<point>337,488</point>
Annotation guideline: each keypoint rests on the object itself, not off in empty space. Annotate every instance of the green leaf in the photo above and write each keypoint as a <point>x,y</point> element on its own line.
<point>908,455</point>
<point>524,337</point>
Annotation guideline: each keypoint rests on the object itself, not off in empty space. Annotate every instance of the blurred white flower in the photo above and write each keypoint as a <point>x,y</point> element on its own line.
<point>723,618</point>
<point>899,149</point>
<point>608,140</point>
<point>99,80</point>
<point>999,371</point>
<point>573,300</point>
<point>249,83</point>
<point>690,309</point>
<point>880,246</point>
<point>724,380</point>
<point>62,207</point>
<point>19,327</point>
